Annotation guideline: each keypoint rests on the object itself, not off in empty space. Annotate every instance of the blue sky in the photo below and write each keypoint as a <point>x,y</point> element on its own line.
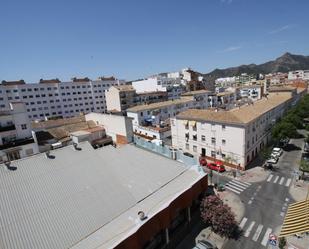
<point>132,39</point>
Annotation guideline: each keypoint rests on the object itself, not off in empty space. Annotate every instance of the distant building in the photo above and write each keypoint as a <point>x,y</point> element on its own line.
<point>299,75</point>
<point>16,139</point>
<point>120,98</point>
<point>81,198</point>
<point>52,98</point>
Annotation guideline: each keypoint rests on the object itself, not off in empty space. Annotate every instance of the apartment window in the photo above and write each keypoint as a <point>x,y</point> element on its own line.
<point>16,97</point>
<point>30,96</point>
<point>23,126</point>
<point>194,137</point>
<point>23,90</point>
<point>203,138</point>
<point>44,101</point>
<point>32,103</point>
<point>43,95</point>
<point>142,114</point>
<point>36,89</point>
<point>213,153</point>
<point>213,140</point>
<point>29,90</point>
<point>187,147</point>
<point>223,141</point>
<point>15,90</point>
<point>33,109</point>
<point>50,95</point>
<point>49,88</point>
<point>41,89</point>
<point>25,97</point>
<point>223,155</point>
<point>223,127</point>
<point>194,148</point>
<point>37,96</point>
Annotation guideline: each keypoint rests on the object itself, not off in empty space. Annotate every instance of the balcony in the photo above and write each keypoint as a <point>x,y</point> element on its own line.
<point>7,128</point>
<point>18,142</point>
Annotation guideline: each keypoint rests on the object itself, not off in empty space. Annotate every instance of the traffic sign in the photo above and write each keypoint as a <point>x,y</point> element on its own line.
<point>273,240</point>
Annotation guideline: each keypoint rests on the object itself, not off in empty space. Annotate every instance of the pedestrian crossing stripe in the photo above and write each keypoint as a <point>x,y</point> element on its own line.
<point>257,233</point>
<point>237,192</point>
<point>249,229</point>
<point>243,222</point>
<point>266,236</point>
<point>237,186</point>
<point>279,180</point>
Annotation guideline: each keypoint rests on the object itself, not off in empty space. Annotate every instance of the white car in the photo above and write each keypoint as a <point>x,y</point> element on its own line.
<point>277,151</point>
<point>272,160</point>
<point>275,155</point>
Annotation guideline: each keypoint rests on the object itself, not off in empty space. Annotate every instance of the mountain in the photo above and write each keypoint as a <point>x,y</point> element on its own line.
<point>286,62</point>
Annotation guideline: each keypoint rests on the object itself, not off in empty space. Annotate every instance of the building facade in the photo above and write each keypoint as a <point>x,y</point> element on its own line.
<point>16,139</point>
<point>235,136</point>
<point>299,75</point>
<point>51,98</point>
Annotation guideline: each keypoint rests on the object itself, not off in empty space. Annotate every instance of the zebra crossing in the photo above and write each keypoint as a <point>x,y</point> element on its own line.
<point>237,186</point>
<point>284,181</point>
<point>257,232</point>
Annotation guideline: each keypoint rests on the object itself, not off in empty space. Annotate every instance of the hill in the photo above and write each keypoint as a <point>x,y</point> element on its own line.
<point>286,62</point>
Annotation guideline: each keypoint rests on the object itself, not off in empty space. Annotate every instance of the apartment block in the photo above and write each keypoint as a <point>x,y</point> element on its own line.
<point>51,98</point>
<point>234,136</point>
<point>120,98</point>
<point>15,133</point>
<point>299,75</point>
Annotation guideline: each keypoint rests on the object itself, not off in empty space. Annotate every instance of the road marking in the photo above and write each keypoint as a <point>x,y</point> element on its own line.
<point>243,222</point>
<point>281,180</point>
<point>245,184</point>
<point>248,231</point>
<point>288,182</point>
<point>269,178</point>
<point>287,199</point>
<point>257,233</point>
<point>235,186</point>
<point>276,179</point>
<point>266,236</point>
<point>237,192</point>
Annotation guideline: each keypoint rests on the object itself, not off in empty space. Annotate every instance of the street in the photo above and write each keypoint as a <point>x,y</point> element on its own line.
<point>266,202</point>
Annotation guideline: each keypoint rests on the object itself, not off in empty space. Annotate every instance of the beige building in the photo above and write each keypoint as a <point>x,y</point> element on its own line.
<point>235,136</point>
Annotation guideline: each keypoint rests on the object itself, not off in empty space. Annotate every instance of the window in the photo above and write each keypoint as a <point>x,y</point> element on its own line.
<point>141,114</point>
<point>222,155</point>
<point>194,137</point>
<point>223,141</point>
<point>213,140</point>
<point>23,126</point>
<point>203,138</point>
<point>194,148</point>
<point>223,127</point>
<point>187,146</point>
<point>213,153</point>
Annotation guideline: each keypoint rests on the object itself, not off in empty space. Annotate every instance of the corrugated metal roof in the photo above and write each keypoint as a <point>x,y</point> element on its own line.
<point>55,203</point>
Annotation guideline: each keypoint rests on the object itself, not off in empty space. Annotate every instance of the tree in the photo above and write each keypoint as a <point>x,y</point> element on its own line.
<point>219,216</point>
<point>265,153</point>
<point>284,130</point>
<point>282,242</point>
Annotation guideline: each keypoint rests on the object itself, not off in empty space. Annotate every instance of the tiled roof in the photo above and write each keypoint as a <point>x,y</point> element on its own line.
<point>124,88</point>
<point>196,92</point>
<point>17,82</point>
<point>50,81</point>
<point>242,115</point>
<point>162,104</point>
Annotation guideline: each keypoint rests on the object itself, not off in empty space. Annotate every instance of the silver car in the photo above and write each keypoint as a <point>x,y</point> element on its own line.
<point>205,244</point>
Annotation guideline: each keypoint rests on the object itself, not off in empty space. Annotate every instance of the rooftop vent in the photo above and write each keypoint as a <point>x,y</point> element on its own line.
<point>142,215</point>
<point>9,167</point>
<point>49,156</point>
<point>75,145</point>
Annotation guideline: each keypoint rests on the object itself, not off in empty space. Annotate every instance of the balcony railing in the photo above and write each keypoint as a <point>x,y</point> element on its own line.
<point>18,142</point>
<point>7,128</point>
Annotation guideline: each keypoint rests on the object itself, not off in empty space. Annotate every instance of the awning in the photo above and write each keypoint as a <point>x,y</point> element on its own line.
<point>296,219</point>
<point>192,123</point>
<point>185,122</point>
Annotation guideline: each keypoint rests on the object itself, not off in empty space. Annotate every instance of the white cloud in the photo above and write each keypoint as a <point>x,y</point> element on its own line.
<point>231,48</point>
<point>283,28</point>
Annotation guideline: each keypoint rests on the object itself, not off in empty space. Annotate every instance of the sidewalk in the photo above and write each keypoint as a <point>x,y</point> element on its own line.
<point>256,174</point>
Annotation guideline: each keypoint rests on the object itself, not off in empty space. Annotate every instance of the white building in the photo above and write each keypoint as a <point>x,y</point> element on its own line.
<point>15,133</point>
<point>299,75</point>
<point>236,135</point>
<point>54,98</point>
<point>152,121</point>
<point>226,82</point>
<point>118,127</point>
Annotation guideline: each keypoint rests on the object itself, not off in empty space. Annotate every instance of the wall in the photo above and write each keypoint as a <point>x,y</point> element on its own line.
<point>234,137</point>
<point>114,125</point>
<point>113,99</point>
<point>147,85</point>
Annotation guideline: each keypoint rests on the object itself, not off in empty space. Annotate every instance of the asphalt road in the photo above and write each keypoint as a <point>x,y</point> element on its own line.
<point>266,202</point>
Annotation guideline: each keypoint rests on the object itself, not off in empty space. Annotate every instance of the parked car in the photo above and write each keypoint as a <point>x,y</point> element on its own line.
<point>217,166</point>
<point>284,142</point>
<point>272,160</point>
<point>188,154</point>
<point>277,150</point>
<point>306,147</point>
<point>305,157</point>
<point>205,244</point>
<point>275,155</point>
